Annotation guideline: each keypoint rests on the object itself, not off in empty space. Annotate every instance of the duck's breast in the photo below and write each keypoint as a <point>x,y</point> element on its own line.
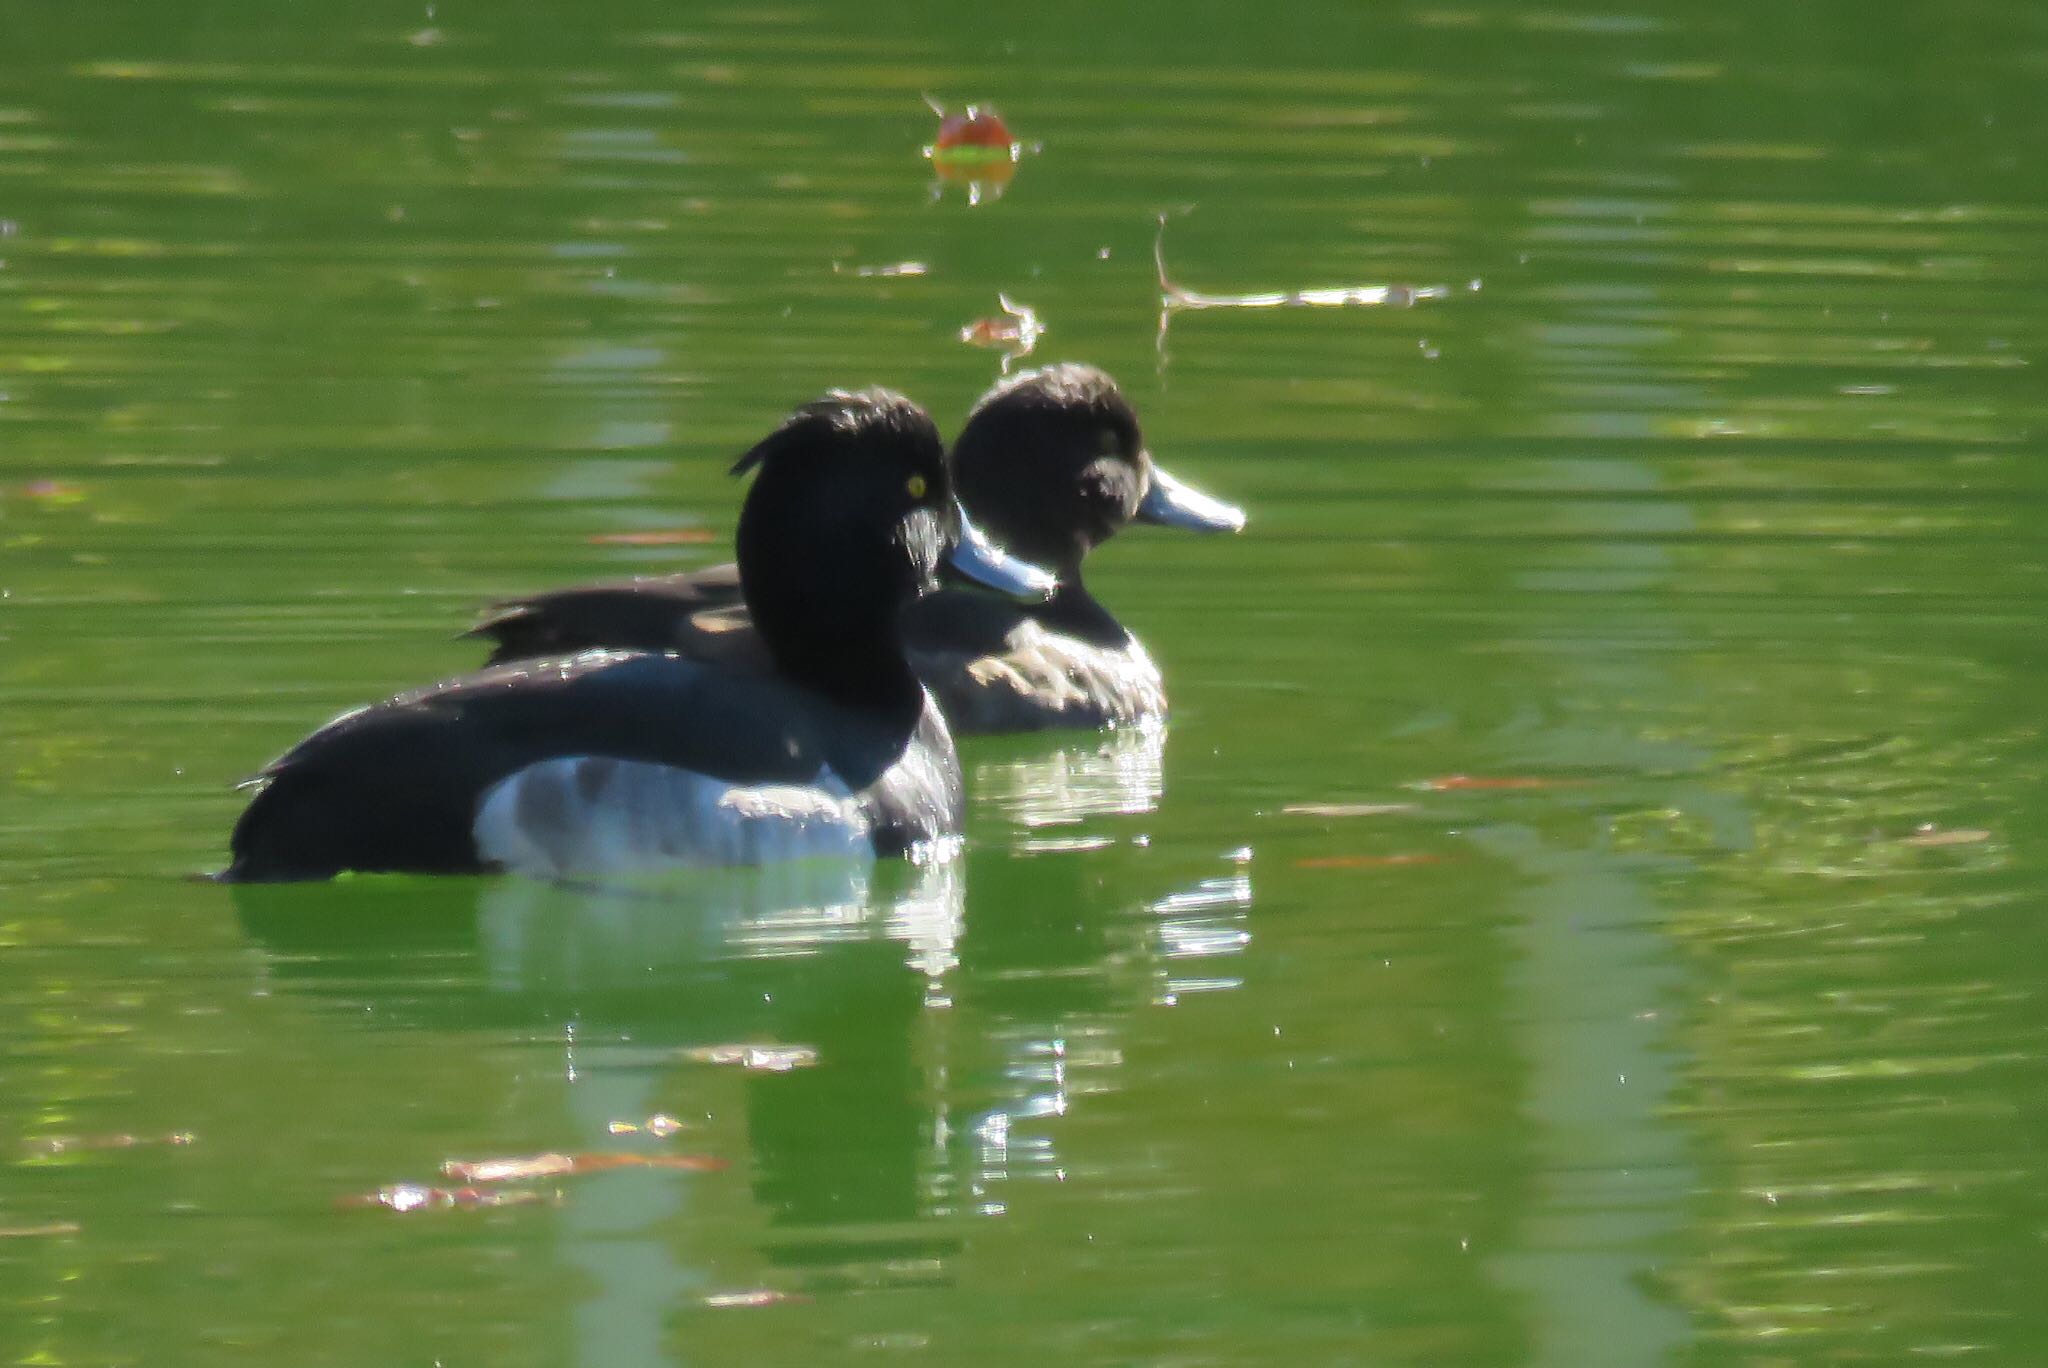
<point>1043,679</point>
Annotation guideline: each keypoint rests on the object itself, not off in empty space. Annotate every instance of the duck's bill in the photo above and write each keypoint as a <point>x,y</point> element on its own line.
<point>1173,504</point>
<point>982,561</point>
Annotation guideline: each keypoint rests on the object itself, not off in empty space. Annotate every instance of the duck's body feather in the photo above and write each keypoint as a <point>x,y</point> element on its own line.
<point>993,668</point>
<point>653,613</point>
<point>598,760</point>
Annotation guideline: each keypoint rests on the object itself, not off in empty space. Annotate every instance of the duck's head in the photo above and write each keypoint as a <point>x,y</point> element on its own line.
<point>850,514</point>
<point>1052,462</point>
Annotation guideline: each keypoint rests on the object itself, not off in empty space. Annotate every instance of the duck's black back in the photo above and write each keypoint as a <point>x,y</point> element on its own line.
<point>653,613</point>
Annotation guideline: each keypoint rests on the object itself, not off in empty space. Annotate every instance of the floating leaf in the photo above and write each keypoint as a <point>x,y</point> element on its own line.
<point>51,492</point>
<point>1052,845</point>
<point>760,1296</point>
<point>1014,333</point>
<point>507,1170</point>
<point>1175,298</point>
<point>889,270</point>
<point>64,1144</point>
<point>1930,836</point>
<point>1366,861</point>
<point>664,536</point>
<point>27,1232</point>
<point>973,149</point>
<point>410,1197</point>
<point>556,1165</point>
<point>687,1163</point>
<point>1457,783</point>
<point>1172,296</point>
<point>762,1058</point>
<point>973,135</point>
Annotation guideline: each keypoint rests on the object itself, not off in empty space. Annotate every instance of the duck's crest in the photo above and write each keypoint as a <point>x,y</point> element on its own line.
<point>838,411</point>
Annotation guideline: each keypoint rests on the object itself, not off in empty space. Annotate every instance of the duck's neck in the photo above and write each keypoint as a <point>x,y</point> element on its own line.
<point>866,671</point>
<point>1073,611</point>
<point>826,609</point>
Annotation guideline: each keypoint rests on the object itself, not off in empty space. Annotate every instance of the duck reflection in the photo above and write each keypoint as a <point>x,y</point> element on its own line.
<point>920,1062</point>
<point>580,939</point>
<point>826,971</point>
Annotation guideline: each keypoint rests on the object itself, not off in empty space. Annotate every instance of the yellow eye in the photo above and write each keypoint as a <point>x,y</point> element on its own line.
<point>915,484</point>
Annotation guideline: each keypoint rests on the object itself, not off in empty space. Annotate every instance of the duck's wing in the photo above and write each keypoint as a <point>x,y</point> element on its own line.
<point>650,614</point>
<point>398,785</point>
<point>964,623</point>
<point>996,666</point>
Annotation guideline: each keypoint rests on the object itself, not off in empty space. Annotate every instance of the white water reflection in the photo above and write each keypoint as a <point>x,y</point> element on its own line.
<point>1197,929</point>
<point>1183,943</point>
<point>1113,772</point>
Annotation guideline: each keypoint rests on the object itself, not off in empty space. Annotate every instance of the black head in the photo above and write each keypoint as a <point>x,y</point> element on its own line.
<point>846,523</point>
<point>1051,463</point>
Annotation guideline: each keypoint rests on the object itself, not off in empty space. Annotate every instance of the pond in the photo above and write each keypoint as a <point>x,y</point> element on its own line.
<point>1586,906</point>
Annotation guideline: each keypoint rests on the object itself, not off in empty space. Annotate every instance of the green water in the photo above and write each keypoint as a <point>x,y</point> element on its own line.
<point>1653,634</point>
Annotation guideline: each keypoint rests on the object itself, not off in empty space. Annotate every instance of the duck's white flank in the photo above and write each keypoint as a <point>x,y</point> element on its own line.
<point>591,814</point>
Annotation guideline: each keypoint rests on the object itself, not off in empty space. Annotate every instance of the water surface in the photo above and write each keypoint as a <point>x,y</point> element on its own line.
<point>1585,908</point>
